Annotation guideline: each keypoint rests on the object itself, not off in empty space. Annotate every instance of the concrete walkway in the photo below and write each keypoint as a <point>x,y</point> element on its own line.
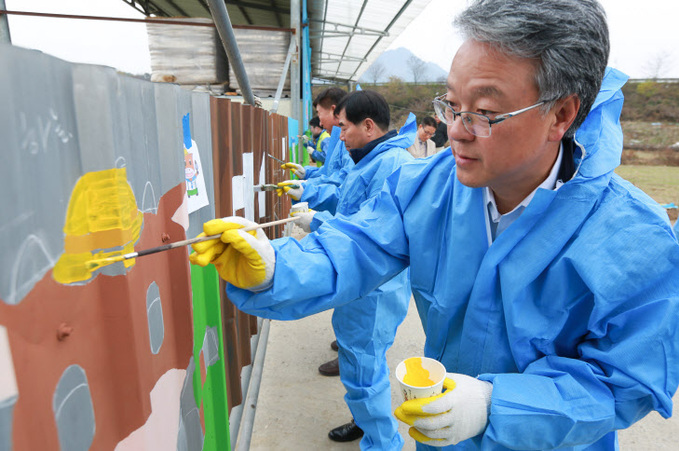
<point>297,406</point>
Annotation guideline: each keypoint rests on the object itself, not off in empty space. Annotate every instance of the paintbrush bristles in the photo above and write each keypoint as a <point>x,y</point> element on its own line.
<point>95,264</point>
<point>98,263</point>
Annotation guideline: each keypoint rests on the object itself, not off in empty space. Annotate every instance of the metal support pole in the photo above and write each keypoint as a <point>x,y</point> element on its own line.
<point>247,420</point>
<point>225,30</point>
<point>5,38</point>
<point>295,70</point>
<point>284,75</point>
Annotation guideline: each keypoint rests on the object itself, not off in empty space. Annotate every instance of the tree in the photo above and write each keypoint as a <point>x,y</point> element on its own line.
<point>417,68</point>
<point>657,64</point>
<point>375,72</point>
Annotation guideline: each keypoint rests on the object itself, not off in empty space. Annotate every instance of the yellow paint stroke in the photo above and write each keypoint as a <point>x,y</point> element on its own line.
<point>416,375</point>
<point>102,214</point>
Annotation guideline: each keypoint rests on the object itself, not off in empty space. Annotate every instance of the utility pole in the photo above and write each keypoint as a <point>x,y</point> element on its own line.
<point>295,68</point>
<point>222,21</point>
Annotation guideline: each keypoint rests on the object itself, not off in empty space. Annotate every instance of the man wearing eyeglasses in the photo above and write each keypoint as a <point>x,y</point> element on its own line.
<point>423,145</point>
<point>547,285</point>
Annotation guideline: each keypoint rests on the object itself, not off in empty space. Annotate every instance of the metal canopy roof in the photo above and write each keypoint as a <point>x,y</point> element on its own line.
<point>346,35</point>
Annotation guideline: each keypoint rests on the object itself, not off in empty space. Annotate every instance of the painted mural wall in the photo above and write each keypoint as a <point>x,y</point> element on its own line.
<point>137,354</point>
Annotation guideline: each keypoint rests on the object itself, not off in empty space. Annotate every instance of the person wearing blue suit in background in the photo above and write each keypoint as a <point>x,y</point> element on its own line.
<point>547,285</point>
<point>366,328</point>
<point>320,186</point>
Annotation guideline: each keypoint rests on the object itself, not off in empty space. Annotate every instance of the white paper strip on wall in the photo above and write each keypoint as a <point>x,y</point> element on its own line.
<point>249,193</point>
<point>261,196</point>
<point>237,190</point>
<point>8,383</point>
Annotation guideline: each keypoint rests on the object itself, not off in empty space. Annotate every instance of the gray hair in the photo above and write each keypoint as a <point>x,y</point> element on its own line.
<point>568,38</point>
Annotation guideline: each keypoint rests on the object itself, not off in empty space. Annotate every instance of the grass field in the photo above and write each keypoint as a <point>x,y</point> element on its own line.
<point>650,135</point>
<point>659,182</point>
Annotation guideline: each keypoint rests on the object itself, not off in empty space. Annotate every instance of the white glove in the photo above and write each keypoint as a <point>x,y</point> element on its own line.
<point>459,413</point>
<point>305,219</point>
<point>297,169</point>
<point>293,188</point>
<point>310,151</point>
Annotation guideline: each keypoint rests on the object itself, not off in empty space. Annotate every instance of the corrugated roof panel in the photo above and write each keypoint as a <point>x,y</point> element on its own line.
<point>270,13</point>
<point>369,27</point>
<point>182,8</point>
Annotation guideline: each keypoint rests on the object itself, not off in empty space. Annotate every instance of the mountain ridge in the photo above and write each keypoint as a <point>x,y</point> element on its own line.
<point>403,64</point>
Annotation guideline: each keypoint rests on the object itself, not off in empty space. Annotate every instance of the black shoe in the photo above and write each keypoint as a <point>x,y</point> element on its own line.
<point>330,368</point>
<point>334,346</point>
<point>346,433</point>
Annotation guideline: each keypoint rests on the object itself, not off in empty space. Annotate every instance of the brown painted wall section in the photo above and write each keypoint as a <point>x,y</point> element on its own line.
<point>108,338</point>
<point>238,129</point>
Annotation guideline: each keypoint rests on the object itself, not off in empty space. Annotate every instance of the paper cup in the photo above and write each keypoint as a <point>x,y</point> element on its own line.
<point>437,373</point>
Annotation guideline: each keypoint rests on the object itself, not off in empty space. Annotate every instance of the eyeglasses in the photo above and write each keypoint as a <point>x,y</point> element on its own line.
<point>475,123</point>
<point>426,133</point>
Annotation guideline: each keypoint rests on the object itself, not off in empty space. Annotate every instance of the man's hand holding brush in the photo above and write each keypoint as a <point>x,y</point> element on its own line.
<point>244,259</point>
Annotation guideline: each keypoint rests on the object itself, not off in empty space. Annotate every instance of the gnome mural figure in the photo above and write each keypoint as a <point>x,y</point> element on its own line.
<point>190,174</point>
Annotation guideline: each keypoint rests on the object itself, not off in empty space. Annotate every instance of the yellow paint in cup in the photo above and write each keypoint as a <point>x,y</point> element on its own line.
<point>416,375</point>
<point>420,377</point>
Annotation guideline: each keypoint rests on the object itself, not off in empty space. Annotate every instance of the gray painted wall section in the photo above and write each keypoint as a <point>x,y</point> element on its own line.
<point>6,416</point>
<point>61,120</point>
<point>201,132</point>
<point>5,37</point>
<point>42,163</point>
<point>73,410</point>
<point>154,315</point>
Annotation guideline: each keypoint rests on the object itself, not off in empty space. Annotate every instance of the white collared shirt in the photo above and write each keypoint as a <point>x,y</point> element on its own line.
<point>497,223</point>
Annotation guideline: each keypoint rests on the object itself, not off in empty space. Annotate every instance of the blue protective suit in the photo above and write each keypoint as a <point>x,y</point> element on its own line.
<point>365,329</point>
<point>321,190</point>
<point>365,180</point>
<point>571,312</point>
<point>312,171</point>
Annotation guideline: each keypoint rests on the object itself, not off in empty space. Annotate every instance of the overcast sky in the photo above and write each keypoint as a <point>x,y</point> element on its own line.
<point>122,45</point>
<point>642,33</point>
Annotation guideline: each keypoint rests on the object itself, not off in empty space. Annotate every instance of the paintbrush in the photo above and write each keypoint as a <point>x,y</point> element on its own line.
<point>97,263</point>
<point>272,187</point>
<point>274,158</point>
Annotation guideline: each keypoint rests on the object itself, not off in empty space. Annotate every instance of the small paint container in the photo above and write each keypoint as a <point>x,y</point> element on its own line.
<point>437,373</point>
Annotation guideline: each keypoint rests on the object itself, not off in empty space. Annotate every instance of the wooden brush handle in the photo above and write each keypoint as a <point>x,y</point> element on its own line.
<point>166,247</point>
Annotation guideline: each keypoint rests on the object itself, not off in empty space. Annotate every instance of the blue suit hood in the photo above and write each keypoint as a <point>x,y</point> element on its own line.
<point>601,134</point>
<point>404,139</point>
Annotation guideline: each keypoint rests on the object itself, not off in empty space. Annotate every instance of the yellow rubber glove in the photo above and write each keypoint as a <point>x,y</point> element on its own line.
<point>297,169</point>
<point>244,259</point>
<point>459,413</point>
<point>293,188</point>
